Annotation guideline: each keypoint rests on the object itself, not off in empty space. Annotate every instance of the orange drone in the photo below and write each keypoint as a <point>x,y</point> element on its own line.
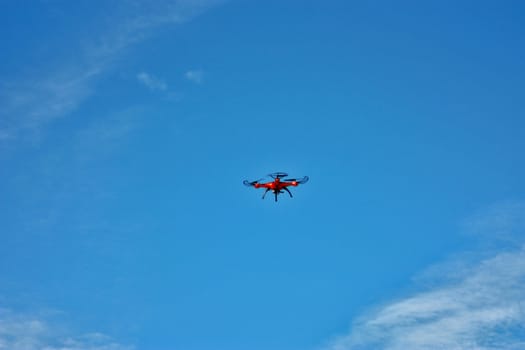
<point>277,185</point>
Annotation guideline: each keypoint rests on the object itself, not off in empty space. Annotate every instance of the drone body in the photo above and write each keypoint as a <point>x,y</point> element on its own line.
<point>277,186</point>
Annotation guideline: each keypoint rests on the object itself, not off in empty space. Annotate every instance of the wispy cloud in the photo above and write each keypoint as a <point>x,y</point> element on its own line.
<point>195,76</point>
<point>477,307</point>
<point>152,82</point>
<point>30,103</point>
<point>31,332</point>
<point>498,223</point>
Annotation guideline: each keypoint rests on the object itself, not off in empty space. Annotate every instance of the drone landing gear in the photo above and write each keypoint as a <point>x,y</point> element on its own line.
<point>287,190</point>
<point>276,193</point>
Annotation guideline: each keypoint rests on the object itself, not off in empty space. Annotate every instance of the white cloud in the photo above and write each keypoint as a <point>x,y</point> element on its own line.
<point>151,82</point>
<point>29,332</point>
<point>481,307</point>
<point>195,76</point>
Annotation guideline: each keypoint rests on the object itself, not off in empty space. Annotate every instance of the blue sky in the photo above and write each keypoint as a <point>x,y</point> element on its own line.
<point>127,128</point>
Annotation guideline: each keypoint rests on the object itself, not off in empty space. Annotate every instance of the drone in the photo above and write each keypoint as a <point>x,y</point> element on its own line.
<point>277,185</point>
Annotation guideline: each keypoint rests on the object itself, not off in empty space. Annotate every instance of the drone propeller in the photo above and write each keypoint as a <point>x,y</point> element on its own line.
<point>277,175</point>
<point>299,181</point>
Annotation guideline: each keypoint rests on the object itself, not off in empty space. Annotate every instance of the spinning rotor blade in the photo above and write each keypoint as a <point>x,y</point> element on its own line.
<point>299,181</point>
<point>277,175</point>
<point>250,183</point>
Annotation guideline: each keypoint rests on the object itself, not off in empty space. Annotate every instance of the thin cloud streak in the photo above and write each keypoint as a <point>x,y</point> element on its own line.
<point>481,307</point>
<point>30,103</point>
<point>498,223</point>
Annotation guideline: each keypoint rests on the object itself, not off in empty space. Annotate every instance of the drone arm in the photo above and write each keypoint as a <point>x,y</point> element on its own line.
<point>296,182</point>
